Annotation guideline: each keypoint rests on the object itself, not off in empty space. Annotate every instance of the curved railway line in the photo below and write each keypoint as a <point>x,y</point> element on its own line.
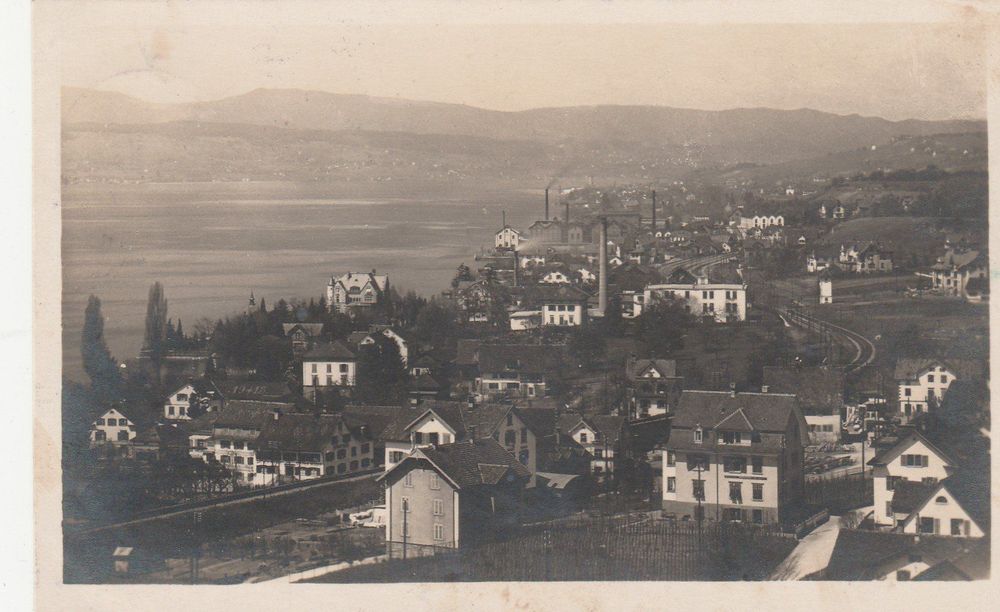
<point>864,349</point>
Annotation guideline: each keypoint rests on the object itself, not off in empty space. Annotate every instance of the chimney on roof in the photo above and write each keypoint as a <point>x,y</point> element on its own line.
<point>763,388</point>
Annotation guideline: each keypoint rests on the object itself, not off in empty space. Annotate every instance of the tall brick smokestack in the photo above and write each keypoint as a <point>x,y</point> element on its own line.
<point>654,211</point>
<point>546,203</point>
<point>602,303</point>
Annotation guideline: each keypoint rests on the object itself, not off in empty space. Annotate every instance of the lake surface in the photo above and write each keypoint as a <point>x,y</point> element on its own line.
<point>210,244</point>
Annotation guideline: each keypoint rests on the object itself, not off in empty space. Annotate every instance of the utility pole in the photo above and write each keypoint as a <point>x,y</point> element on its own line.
<point>700,513</point>
<point>406,509</point>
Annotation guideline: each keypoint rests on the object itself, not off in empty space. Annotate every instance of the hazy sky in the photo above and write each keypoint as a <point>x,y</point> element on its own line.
<point>893,71</point>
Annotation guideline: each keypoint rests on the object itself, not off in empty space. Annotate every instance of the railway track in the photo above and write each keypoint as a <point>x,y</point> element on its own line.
<point>864,349</point>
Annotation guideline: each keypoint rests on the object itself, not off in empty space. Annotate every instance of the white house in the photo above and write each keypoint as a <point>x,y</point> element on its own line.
<point>603,436</point>
<point>332,367</point>
<point>356,289</point>
<point>952,272</point>
<point>112,426</point>
<point>953,507</point>
<point>300,446</point>
<point>507,238</point>
<point>911,463</point>
<point>177,404</point>
<point>922,381</point>
<point>561,305</point>
<point>724,301</point>
<point>393,334</point>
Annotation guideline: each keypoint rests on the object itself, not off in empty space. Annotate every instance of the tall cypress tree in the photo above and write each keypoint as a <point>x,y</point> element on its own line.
<point>156,321</point>
<point>98,363</point>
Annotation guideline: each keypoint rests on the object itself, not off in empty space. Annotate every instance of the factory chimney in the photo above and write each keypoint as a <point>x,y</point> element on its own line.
<point>654,211</point>
<point>602,303</point>
<point>546,203</point>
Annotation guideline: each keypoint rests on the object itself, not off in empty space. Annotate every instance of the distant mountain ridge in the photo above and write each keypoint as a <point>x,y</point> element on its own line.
<point>738,135</point>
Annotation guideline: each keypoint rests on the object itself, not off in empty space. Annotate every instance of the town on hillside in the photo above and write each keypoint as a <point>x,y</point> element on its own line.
<point>792,386</point>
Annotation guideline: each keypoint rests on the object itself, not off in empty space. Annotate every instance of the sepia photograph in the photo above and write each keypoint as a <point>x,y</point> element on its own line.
<point>366,297</point>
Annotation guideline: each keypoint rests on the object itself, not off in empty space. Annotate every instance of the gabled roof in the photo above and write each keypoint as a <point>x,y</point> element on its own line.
<point>764,411</point>
<point>909,496</point>
<point>311,329</point>
<point>680,276</point>
<point>609,426</point>
<point>424,382</point>
<point>449,413</point>
<point>525,358</point>
<point>910,368</point>
<point>337,351</point>
<point>972,491</point>
<point>959,260</point>
<point>306,432</point>
<point>735,421</point>
<point>377,418</point>
<point>889,453</point>
<point>638,367</point>
<point>481,462</point>
<point>820,390</point>
<point>864,555</point>
<point>357,280</point>
<point>546,294</point>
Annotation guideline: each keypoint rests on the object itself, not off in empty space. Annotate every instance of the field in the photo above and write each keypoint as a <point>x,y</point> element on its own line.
<point>620,549</point>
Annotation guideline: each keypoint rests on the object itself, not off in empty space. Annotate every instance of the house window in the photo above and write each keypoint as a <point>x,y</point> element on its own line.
<point>697,462</point>
<point>438,507</point>
<point>944,378</point>
<point>958,527</point>
<point>698,435</point>
<point>238,445</point>
<point>731,437</point>
<point>395,456</point>
<point>418,437</point>
<point>249,460</point>
<point>434,482</point>
<point>758,491</point>
<point>698,489</point>
<point>758,517</point>
<point>366,462</point>
<point>510,438</point>
<point>671,458</point>
<point>354,465</point>
<point>941,499</point>
<point>928,525</point>
<point>343,368</point>
<point>122,435</point>
<point>314,368</point>
<point>599,453</point>
<point>224,443</point>
<point>408,479</point>
<point>735,464</point>
<point>523,456</point>
<point>432,438</point>
<point>914,460</point>
<point>736,492</point>
<point>170,411</point>
<point>365,448</point>
<point>671,484</point>
<point>583,437</point>
<point>758,465</point>
<point>438,532</point>
<point>930,378</point>
<point>329,367</point>
<point>225,459</point>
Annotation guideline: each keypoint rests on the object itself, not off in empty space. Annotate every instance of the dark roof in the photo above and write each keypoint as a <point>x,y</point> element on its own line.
<point>249,415</point>
<point>546,294</point>
<point>469,464</point>
<point>820,390</point>
<point>888,453</point>
<point>765,411</point>
<point>202,424</point>
<point>909,496</point>
<point>609,426</point>
<point>311,329</point>
<point>666,367</point>
<point>959,260</point>
<point>306,432</point>
<point>972,563</point>
<point>424,361</point>
<point>534,358</point>
<point>449,412</point>
<point>971,490</point>
<point>468,352</point>
<point>377,418</point>
<point>867,555</point>
<point>909,368</point>
<point>354,338</point>
<point>425,382</point>
<point>725,273</point>
<point>247,390</point>
<point>680,276</point>
<point>332,350</point>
